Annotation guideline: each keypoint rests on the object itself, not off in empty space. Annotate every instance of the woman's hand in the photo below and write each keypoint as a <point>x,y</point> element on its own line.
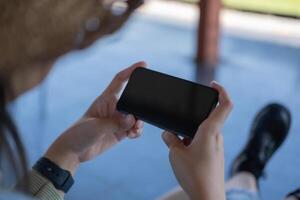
<point>199,167</point>
<point>101,127</point>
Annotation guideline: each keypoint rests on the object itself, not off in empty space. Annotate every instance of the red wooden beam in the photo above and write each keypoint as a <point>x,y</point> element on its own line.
<point>208,32</point>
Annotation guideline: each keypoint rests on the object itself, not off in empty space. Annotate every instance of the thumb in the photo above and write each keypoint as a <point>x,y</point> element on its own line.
<point>172,140</point>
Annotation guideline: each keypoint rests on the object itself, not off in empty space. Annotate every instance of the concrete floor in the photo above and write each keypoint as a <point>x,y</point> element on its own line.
<point>254,72</point>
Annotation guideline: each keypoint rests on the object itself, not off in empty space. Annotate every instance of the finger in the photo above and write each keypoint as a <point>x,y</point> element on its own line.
<point>139,124</point>
<point>116,127</point>
<point>137,130</point>
<point>122,125</point>
<point>117,83</point>
<point>126,122</point>
<point>172,140</point>
<point>221,112</point>
<point>134,133</point>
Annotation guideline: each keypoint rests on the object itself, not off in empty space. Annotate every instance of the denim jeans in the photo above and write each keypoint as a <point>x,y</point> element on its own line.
<point>239,194</point>
<point>232,194</point>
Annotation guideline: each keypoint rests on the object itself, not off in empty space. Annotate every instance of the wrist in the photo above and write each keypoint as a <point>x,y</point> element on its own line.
<point>207,191</point>
<point>199,195</point>
<point>65,160</point>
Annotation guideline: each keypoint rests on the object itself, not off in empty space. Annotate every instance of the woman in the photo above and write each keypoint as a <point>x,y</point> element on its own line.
<point>33,35</point>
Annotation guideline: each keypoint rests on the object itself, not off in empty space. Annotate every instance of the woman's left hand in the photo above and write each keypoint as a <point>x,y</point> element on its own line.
<point>101,127</point>
<point>199,167</point>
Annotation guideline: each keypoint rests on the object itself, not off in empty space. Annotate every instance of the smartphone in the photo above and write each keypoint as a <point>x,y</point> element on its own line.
<point>168,102</point>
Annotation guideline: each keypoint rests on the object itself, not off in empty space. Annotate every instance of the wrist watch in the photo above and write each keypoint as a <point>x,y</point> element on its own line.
<point>60,178</point>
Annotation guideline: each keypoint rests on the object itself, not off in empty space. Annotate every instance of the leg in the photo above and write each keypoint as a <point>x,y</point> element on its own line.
<point>241,187</point>
<point>243,181</point>
<point>269,130</point>
<point>291,198</point>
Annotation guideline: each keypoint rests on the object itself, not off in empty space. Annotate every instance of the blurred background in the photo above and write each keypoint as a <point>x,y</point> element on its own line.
<point>252,47</point>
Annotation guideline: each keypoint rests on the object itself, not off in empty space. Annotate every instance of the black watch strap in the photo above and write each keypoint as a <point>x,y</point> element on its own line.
<point>60,178</point>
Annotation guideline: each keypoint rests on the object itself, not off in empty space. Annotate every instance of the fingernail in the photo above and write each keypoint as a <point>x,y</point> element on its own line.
<point>164,136</point>
<point>133,135</point>
<point>140,124</point>
<point>139,132</point>
<point>214,82</point>
<point>143,63</point>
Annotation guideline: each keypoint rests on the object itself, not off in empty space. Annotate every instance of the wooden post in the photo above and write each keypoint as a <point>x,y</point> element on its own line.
<point>208,33</point>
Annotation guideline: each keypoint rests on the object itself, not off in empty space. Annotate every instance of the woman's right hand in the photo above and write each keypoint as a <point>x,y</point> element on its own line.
<point>101,127</point>
<point>199,167</point>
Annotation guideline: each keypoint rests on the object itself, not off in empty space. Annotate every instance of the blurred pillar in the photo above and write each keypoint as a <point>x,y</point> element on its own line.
<point>208,33</point>
<point>205,74</point>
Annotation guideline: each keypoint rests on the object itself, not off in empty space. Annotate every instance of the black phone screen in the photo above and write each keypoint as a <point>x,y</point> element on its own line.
<point>167,102</point>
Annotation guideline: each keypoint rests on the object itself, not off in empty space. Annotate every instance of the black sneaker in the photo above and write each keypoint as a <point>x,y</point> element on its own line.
<point>269,129</point>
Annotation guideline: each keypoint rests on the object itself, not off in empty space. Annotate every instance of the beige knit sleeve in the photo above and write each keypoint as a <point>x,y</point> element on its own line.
<point>43,189</point>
